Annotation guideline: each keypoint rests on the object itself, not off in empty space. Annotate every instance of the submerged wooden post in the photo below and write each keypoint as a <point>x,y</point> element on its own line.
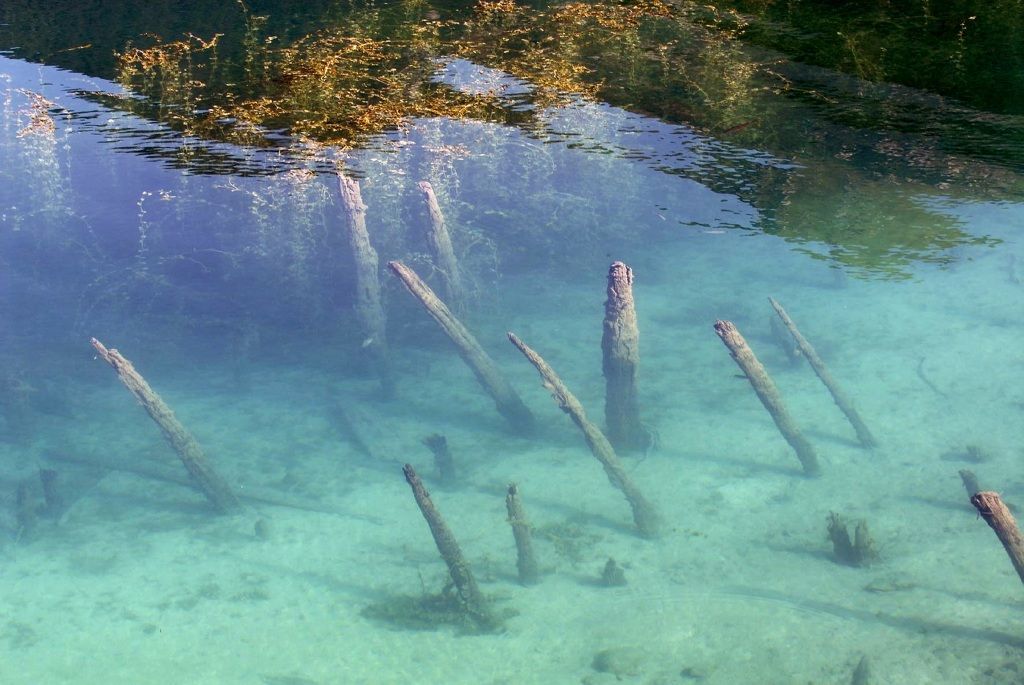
<point>643,513</point>
<point>440,243</point>
<point>526,563</point>
<point>766,391</point>
<point>996,514</point>
<point>191,454</point>
<point>505,397</point>
<point>844,404</point>
<point>465,584</point>
<point>369,310</point>
<point>620,345</point>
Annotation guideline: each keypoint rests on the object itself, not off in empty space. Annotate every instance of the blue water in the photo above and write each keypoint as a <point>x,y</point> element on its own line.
<point>233,294</point>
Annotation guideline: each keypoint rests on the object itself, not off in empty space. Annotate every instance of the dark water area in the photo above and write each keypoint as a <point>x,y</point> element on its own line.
<point>177,179</point>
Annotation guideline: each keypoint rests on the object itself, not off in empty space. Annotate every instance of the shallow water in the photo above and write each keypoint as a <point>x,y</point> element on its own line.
<point>224,274</point>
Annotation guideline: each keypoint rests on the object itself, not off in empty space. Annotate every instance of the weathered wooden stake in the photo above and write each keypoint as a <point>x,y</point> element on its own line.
<point>841,400</point>
<point>620,345</point>
<point>766,391</point>
<point>505,397</point>
<point>191,454</point>
<point>996,514</point>
<point>643,513</point>
<point>369,310</point>
<point>526,563</point>
<point>469,594</point>
<point>440,243</point>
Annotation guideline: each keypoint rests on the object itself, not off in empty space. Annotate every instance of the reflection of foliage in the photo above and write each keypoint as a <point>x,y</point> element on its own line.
<point>872,229</point>
<point>376,71</point>
<point>337,85</point>
<point>970,49</point>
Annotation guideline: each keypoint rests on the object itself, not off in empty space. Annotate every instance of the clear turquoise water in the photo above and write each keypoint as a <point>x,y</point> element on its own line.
<point>233,295</point>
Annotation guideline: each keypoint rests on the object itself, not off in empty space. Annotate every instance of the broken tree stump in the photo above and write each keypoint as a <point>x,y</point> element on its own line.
<point>440,243</point>
<point>766,391</point>
<point>996,514</point>
<point>486,371</point>
<point>438,445</point>
<point>369,310</point>
<point>643,513</point>
<point>620,347</point>
<point>191,454</point>
<point>842,401</point>
<point>470,597</point>
<point>526,562</point>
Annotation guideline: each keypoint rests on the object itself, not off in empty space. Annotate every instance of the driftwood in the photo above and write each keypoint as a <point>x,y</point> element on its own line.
<point>458,568</point>
<point>841,400</point>
<point>191,454</point>
<point>526,562</point>
<point>505,397</point>
<point>369,310</point>
<point>766,391</point>
<point>620,347</point>
<point>996,514</point>
<point>440,243</point>
<point>643,513</point>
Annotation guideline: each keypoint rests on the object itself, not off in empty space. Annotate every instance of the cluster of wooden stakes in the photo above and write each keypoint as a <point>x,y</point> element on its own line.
<point>622,418</point>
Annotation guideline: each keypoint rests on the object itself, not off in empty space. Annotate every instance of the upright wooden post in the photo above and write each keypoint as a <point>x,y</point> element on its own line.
<point>505,397</point>
<point>766,391</point>
<point>369,309</point>
<point>526,563</point>
<point>620,345</point>
<point>191,454</point>
<point>643,513</point>
<point>440,243</point>
<point>841,400</point>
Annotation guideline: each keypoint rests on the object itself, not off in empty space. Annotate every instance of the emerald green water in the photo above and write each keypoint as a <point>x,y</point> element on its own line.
<point>859,164</point>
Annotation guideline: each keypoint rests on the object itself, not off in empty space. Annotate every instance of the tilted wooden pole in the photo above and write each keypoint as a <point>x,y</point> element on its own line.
<point>766,391</point>
<point>369,309</point>
<point>191,454</point>
<point>440,243</point>
<point>997,515</point>
<point>620,345</point>
<point>505,397</point>
<point>841,400</point>
<point>458,568</point>
<point>643,513</point>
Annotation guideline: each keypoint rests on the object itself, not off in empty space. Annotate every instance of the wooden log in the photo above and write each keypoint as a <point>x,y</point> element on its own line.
<point>766,391</point>
<point>996,514</point>
<point>188,450</point>
<point>440,243</point>
<point>526,562</point>
<point>842,401</point>
<point>369,309</point>
<point>486,371</point>
<point>458,568</point>
<point>643,513</point>
<point>620,347</point>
